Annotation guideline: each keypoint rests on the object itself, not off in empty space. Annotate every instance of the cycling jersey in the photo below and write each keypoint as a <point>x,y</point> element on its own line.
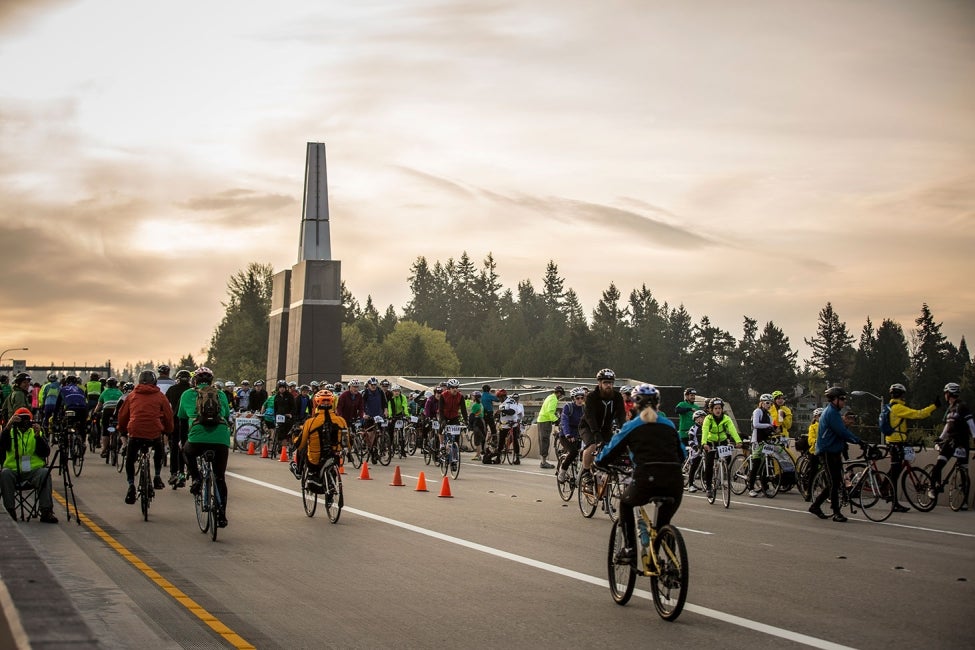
<point>715,431</point>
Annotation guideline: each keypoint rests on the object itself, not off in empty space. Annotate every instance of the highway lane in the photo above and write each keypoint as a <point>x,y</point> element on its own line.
<point>503,563</point>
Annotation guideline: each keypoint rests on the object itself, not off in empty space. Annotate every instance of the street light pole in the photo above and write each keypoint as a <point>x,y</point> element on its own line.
<point>12,350</point>
<point>865,393</point>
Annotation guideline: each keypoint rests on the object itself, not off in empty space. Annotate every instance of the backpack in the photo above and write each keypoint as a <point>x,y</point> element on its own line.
<point>884,420</point>
<point>208,406</point>
<point>73,397</point>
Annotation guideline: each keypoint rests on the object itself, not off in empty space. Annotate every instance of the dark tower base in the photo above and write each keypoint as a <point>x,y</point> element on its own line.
<point>315,322</point>
<point>277,344</point>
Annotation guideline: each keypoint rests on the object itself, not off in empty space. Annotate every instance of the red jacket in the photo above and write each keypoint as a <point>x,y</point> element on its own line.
<point>145,413</point>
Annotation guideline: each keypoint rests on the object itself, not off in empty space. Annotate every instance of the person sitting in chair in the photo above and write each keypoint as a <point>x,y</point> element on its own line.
<point>24,451</point>
<point>320,438</point>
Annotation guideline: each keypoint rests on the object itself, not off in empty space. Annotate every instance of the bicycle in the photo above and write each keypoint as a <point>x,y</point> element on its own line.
<point>869,486</point>
<point>411,435</point>
<point>568,486</point>
<point>431,443</point>
<point>145,490</point>
<point>662,558</point>
<point>956,479</point>
<point>399,437</point>
<point>448,455</point>
<point>207,503</point>
<point>508,450</point>
<point>76,442</point>
<point>772,475</point>
<point>329,485</point>
<point>721,478</point>
<point>915,482</point>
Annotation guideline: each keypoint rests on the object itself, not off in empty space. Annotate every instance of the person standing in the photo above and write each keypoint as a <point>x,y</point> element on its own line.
<point>900,413</point>
<point>830,442</point>
<point>144,417</point>
<point>19,397</point>
<point>547,416</point>
<point>762,429</point>
<point>488,400</point>
<point>781,414</point>
<point>685,410</point>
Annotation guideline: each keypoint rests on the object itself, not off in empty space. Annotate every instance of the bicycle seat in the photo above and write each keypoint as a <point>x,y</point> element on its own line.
<point>208,455</point>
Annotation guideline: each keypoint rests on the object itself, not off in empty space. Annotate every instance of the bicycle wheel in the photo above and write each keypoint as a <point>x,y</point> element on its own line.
<point>772,480</point>
<point>876,495</point>
<point>612,499</point>
<point>524,443</point>
<point>739,474</point>
<point>78,456</point>
<point>622,574</point>
<point>202,506</point>
<point>802,481</point>
<point>214,501</point>
<point>915,484</point>
<point>724,483</point>
<point>120,465</point>
<point>566,487</point>
<point>309,499</point>
<point>333,495</point>
<point>145,489</point>
<point>411,441</point>
<point>358,451</point>
<point>958,488</point>
<point>669,586</point>
<point>384,449</point>
<point>587,496</point>
<point>454,461</point>
<point>113,451</point>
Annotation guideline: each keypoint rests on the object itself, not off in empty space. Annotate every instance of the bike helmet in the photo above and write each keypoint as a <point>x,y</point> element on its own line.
<point>699,414</point>
<point>203,375</point>
<point>52,377</point>
<point>395,388</point>
<point>428,394</point>
<point>23,412</point>
<point>817,412</point>
<point>645,395</point>
<point>323,398</point>
<point>128,387</point>
<point>476,396</point>
<point>690,391</point>
<point>777,393</point>
<point>559,391</point>
<point>71,379</point>
<point>897,389</point>
<point>438,389</point>
<point>259,382</point>
<point>355,383</point>
<point>305,387</point>
<point>147,377</point>
<point>292,384</point>
<point>372,380</point>
<point>384,383</point>
<point>163,369</point>
<point>626,390</point>
<point>953,389</point>
<point>834,393</point>
<point>183,374</point>
<point>244,383</point>
<point>111,382</point>
<point>606,374</point>
<point>21,376</point>
<point>577,392</point>
<point>328,387</point>
<point>715,401</point>
<point>765,398</point>
<point>453,383</point>
<point>314,384</point>
<point>218,384</point>
<point>514,396</point>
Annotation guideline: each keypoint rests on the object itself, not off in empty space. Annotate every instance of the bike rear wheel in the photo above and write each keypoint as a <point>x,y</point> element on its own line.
<point>309,499</point>
<point>202,510</point>
<point>723,483</point>
<point>524,443</point>
<point>145,489</point>
<point>915,484</point>
<point>772,480</point>
<point>669,587</point>
<point>454,460</point>
<point>384,449</point>
<point>622,574</point>
<point>958,488</point>
<point>876,496</point>
<point>739,474</point>
<point>78,456</point>
<point>214,500</point>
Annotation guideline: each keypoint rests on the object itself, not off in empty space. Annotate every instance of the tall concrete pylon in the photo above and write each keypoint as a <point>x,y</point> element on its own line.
<point>305,329</point>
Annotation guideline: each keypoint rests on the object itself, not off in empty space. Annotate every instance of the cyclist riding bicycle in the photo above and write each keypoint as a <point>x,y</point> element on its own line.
<point>654,448</point>
<point>206,435</point>
<point>108,408</point>
<point>373,405</point>
<point>285,408</point>
<point>716,429</point>
<point>604,408</point>
<point>398,408</point>
<point>321,439</point>
<point>452,407</point>
<point>144,417</point>
<point>72,399</point>
<point>569,429</point>
<point>958,432</point>
<point>511,415</point>
<point>691,439</point>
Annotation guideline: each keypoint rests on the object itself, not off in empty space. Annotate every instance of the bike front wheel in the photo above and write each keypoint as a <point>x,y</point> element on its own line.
<point>915,484</point>
<point>308,498</point>
<point>669,586</point>
<point>566,487</point>
<point>958,489</point>
<point>877,496</point>
<point>78,456</point>
<point>587,496</point>
<point>214,501</point>
<point>334,499</point>
<point>202,511</point>
<point>454,461</point>
<point>145,490</point>
<point>384,450</point>
<point>622,573</point>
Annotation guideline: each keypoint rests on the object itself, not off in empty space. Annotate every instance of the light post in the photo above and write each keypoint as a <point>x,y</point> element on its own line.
<point>11,350</point>
<point>865,393</point>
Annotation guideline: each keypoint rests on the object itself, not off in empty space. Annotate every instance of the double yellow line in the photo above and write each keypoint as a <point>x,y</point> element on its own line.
<point>194,608</point>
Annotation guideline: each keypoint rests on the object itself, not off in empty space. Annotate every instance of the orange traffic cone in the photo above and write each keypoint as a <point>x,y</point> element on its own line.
<point>397,479</point>
<point>264,453</point>
<point>284,455</point>
<point>364,474</point>
<point>421,483</point>
<point>445,489</point>
<point>250,448</point>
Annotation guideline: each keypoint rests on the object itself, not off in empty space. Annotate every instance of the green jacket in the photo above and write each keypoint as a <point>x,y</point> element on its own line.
<point>549,407</point>
<point>24,443</point>
<point>218,434</point>
<point>17,399</point>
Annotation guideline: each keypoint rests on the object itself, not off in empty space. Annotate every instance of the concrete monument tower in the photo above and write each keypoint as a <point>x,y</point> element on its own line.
<point>305,341</point>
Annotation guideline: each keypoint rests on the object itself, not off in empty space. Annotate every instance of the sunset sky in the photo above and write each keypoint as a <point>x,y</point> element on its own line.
<point>755,158</point>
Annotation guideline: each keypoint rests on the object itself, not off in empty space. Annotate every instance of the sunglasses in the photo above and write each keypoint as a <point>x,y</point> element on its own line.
<point>579,397</point>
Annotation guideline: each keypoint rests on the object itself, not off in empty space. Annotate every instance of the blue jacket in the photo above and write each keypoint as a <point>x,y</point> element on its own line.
<point>648,440</point>
<point>569,420</point>
<point>832,432</point>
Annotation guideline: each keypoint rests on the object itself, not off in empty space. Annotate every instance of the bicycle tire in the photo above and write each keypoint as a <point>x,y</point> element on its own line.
<point>113,451</point>
<point>771,483</point>
<point>587,501</point>
<point>202,510</point>
<point>915,483</point>
<point>724,481</point>
<point>668,588</point>
<point>739,474</point>
<point>145,488</point>
<point>614,491</point>
<point>78,457</point>
<point>309,499</point>
<point>567,487</point>
<point>454,464</point>
<point>958,488</point>
<point>622,577</point>
<point>120,465</point>
<point>214,504</point>
<point>877,489</point>
<point>803,483</point>
<point>333,506</point>
<point>524,443</point>
<point>384,450</point>
<point>411,441</point>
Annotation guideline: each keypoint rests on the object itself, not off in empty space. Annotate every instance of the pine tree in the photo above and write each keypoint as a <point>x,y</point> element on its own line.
<point>865,359</point>
<point>832,349</point>
<point>238,347</point>
<point>933,357</point>
<point>891,359</point>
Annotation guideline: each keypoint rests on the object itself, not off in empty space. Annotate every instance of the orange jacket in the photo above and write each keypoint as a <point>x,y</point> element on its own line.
<point>145,413</point>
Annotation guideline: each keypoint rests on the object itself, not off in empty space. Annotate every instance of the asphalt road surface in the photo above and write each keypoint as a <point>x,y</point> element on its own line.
<point>504,563</point>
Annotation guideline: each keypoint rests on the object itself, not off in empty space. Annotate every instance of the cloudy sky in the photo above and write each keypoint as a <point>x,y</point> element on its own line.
<point>753,158</point>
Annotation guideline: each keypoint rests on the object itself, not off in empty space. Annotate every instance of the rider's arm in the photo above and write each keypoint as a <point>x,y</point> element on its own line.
<point>732,430</point>
<point>123,417</point>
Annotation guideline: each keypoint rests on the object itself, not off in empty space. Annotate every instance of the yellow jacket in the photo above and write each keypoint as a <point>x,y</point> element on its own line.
<point>309,434</point>
<point>784,423</point>
<point>812,435</point>
<point>900,413</point>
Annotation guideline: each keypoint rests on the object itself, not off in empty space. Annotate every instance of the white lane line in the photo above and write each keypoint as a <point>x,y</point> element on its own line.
<point>582,577</point>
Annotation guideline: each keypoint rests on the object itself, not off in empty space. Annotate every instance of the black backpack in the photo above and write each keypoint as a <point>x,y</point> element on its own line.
<point>208,406</point>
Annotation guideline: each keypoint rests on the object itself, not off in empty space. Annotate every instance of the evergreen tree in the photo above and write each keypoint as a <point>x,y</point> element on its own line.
<point>553,290</point>
<point>750,374</point>
<point>238,347</point>
<point>776,360</point>
<point>832,349</point>
<point>609,340</point>
<point>710,359</point>
<point>186,363</point>
<point>350,306</point>
<point>865,359</point>
<point>425,302</point>
<point>679,339</point>
<point>646,323</point>
<point>387,322</point>
<point>933,357</point>
<point>891,359</point>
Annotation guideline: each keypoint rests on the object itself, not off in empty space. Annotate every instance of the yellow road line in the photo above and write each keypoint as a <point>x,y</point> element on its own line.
<point>194,608</point>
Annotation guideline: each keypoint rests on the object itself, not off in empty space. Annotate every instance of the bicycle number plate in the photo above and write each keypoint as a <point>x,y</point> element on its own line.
<point>378,420</point>
<point>69,414</point>
<point>769,450</point>
<point>961,452</point>
<point>452,430</point>
<point>725,450</point>
<point>414,419</point>
<point>398,425</point>
<point>435,425</point>
<point>909,454</point>
<point>279,419</point>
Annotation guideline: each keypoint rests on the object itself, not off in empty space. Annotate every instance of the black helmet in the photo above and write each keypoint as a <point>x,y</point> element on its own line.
<point>183,374</point>
<point>21,376</point>
<point>835,392</point>
<point>163,369</point>
<point>71,379</point>
<point>605,374</point>
<point>203,375</point>
<point>147,377</point>
<point>128,386</point>
<point>281,384</point>
<point>559,390</point>
<point>52,377</point>
<point>112,382</point>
